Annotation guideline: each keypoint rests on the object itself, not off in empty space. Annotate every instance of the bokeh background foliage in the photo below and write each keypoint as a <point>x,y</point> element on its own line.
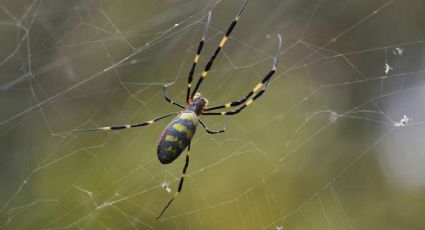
<point>318,151</point>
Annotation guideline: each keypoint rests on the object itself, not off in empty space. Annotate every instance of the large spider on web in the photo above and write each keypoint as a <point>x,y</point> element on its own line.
<point>178,134</point>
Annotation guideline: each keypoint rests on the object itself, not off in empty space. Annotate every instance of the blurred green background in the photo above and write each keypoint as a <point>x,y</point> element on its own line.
<point>320,150</point>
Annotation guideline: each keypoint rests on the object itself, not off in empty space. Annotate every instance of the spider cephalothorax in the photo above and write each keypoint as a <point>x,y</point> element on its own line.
<point>197,104</point>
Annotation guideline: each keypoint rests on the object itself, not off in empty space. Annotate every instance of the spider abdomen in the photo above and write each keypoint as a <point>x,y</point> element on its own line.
<point>176,137</point>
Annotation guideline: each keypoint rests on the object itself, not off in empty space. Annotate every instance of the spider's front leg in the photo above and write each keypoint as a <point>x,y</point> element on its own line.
<point>255,93</point>
<point>195,61</point>
<point>217,51</point>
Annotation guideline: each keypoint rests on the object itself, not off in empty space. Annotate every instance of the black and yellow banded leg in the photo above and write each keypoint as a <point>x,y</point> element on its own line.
<point>164,89</point>
<point>180,183</point>
<point>211,131</point>
<point>217,51</point>
<point>118,127</point>
<point>258,87</point>
<point>195,61</point>
<point>243,106</point>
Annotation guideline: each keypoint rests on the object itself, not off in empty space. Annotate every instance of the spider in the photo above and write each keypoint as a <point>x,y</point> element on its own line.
<point>178,134</point>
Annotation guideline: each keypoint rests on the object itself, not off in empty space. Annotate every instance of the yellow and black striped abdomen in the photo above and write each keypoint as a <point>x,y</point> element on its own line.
<point>176,137</point>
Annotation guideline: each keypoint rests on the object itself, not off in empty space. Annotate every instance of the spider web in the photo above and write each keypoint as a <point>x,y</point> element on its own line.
<point>335,143</point>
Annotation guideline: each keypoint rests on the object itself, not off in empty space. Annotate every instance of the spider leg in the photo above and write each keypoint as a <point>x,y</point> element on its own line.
<point>117,127</point>
<point>164,89</point>
<point>210,131</point>
<point>255,93</point>
<point>195,61</point>
<point>180,183</point>
<point>223,41</point>
<point>243,106</point>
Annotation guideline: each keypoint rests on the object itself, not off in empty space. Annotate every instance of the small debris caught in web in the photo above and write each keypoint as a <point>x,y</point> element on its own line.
<point>403,122</point>
<point>166,186</point>
<point>398,51</point>
<point>388,68</point>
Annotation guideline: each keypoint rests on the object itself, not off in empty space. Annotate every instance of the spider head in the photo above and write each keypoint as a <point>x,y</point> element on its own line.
<point>198,103</point>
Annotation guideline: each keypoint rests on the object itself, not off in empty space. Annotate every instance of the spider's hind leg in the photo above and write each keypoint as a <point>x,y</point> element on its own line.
<point>186,164</point>
<point>213,131</point>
